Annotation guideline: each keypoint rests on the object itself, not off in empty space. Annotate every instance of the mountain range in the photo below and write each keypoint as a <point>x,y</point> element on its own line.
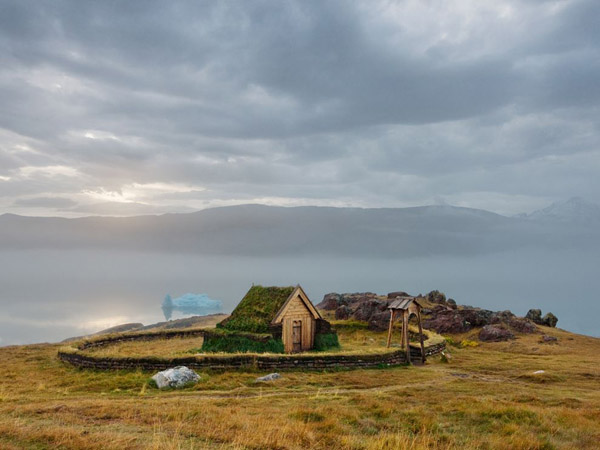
<point>258,230</point>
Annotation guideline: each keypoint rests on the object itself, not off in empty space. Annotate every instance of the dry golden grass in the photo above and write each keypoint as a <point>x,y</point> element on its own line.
<point>355,341</point>
<point>163,347</point>
<point>486,397</point>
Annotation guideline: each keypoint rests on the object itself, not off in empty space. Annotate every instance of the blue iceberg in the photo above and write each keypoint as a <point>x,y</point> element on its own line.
<point>197,304</point>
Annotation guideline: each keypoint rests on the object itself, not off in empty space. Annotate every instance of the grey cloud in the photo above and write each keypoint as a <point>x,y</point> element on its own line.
<point>329,101</point>
<point>45,202</point>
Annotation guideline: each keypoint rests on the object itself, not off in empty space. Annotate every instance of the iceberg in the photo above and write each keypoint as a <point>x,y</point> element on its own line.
<point>197,304</point>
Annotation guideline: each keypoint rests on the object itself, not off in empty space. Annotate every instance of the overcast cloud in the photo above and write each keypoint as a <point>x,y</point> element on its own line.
<point>148,107</point>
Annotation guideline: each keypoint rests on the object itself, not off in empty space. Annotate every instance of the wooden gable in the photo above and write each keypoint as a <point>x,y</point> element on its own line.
<point>297,304</point>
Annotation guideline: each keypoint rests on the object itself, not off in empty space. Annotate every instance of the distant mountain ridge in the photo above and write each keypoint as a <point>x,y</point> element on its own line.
<point>576,210</point>
<point>259,230</point>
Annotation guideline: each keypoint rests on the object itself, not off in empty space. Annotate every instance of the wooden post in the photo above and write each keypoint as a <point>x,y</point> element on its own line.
<point>402,340</point>
<point>421,335</point>
<point>389,339</point>
<point>405,314</point>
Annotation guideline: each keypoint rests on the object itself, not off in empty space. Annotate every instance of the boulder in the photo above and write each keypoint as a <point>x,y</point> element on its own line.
<point>451,303</point>
<point>330,301</point>
<point>522,325</point>
<point>342,312</point>
<point>393,295</point>
<point>436,297</point>
<point>380,321</point>
<point>535,315</point>
<point>177,377</point>
<point>447,321</point>
<point>550,320</point>
<point>266,378</point>
<point>548,339</point>
<point>495,333</point>
<point>365,310</point>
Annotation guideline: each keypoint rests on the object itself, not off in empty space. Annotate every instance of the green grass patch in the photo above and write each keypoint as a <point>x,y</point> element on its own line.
<point>256,310</point>
<point>240,344</point>
<point>326,341</point>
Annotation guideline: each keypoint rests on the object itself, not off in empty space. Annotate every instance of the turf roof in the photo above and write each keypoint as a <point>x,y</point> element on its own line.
<point>257,309</point>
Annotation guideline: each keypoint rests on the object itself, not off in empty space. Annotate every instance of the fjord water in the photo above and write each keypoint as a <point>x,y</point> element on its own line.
<point>49,295</point>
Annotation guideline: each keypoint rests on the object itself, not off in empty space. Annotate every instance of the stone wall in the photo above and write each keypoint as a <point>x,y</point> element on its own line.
<point>238,361</point>
<point>77,357</point>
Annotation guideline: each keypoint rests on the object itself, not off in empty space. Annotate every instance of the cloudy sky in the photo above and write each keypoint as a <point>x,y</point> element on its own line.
<point>148,107</point>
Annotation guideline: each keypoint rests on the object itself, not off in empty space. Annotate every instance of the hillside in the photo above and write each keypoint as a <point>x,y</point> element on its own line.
<point>489,396</point>
<point>264,230</point>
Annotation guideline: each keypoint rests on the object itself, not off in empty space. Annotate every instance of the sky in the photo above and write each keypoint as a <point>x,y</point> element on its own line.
<point>147,107</point>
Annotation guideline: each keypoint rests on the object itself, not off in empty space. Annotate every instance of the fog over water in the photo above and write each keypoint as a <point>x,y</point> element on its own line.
<point>49,295</point>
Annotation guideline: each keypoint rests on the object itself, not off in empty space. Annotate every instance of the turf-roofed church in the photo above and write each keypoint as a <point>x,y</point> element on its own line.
<point>285,312</point>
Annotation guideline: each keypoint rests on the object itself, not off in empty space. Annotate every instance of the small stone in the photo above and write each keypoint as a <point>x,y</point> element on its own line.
<point>270,377</point>
<point>538,372</point>
<point>176,377</point>
<point>548,339</point>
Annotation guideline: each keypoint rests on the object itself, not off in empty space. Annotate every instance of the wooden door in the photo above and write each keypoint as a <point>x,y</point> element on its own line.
<point>297,336</point>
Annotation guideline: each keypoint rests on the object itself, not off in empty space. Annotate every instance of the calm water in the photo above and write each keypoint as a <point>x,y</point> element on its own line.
<point>52,295</point>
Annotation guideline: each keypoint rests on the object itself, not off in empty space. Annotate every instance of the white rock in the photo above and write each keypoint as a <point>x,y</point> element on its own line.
<point>176,377</point>
<point>537,372</point>
<point>270,377</point>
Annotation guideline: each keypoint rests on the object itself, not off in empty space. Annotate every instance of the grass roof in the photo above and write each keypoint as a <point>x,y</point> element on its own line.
<point>257,309</point>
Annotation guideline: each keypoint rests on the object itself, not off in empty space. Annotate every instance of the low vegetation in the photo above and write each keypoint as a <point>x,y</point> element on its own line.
<point>254,313</point>
<point>242,344</point>
<point>520,394</point>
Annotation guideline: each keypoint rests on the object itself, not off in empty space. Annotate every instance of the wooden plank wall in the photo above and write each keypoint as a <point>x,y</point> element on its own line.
<point>296,310</point>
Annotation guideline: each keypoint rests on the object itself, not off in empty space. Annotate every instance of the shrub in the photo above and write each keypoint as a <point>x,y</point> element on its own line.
<point>326,341</point>
<point>466,343</point>
<point>451,341</point>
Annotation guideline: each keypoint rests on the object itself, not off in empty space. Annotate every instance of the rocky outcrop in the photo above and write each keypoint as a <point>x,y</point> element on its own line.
<point>550,320</point>
<point>436,297</point>
<point>495,333</point>
<point>393,295</point>
<point>330,302</point>
<point>379,321</point>
<point>446,316</point>
<point>535,315</point>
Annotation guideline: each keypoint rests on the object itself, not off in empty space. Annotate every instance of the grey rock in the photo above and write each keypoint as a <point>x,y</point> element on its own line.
<point>177,377</point>
<point>548,339</point>
<point>342,313</point>
<point>395,294</point>
<point>495,333</point>
<point>522,325</point>
<point>379,321</point>
<point>270,377</point>
<point>535,315</point>
<point>330,301</point>
<point>436,297</point>
<point>550,320</point>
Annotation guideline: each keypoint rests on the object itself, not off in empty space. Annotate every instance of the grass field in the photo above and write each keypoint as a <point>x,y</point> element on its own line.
<point>487,396</point>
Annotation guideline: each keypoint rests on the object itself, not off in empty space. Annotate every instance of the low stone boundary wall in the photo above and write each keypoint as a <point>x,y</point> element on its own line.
<point>165,334</point>
<point>78,358</point>
<point>250,361</point>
